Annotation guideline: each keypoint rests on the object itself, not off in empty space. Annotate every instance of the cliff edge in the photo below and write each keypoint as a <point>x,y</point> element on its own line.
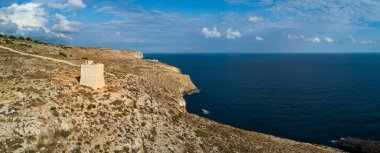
<point>44,109</point>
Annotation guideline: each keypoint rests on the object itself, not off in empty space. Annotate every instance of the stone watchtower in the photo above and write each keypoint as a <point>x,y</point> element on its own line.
<point>92,75</point>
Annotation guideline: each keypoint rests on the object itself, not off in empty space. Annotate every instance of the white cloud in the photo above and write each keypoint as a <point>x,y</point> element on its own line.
<point>24,16</point>
<point>366,42</point>
<point>212,33</point>
<point>294,37</point>
<point>258,38</point>
<point>314,40</point>
<point>250,3</point>
<point>28,19</point>
<point>106,9</point>
<point>71,4</point>
<point>254,19</point>
<point>233,34</point>
<point>329,40</point>
<point>37,33</point>
<point>291,37</point>
<point>66,26</point>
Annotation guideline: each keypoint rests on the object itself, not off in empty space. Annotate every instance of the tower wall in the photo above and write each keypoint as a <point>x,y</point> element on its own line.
<point>92,75</point>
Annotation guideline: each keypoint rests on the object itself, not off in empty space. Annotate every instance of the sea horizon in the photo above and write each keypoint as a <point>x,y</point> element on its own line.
<point>261,53</point>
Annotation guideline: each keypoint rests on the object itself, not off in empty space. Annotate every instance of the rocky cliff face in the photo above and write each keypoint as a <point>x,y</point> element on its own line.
<point>141,109</point>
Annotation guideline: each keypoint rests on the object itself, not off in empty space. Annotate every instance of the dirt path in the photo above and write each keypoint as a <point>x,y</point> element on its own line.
<point>38,56</point>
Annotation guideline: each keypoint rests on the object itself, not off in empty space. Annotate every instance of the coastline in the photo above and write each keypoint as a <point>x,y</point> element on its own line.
<point>141,109</point>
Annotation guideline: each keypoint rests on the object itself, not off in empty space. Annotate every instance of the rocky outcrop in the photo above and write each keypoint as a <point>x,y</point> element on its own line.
<point>359,145</point>
<point>44,109</point>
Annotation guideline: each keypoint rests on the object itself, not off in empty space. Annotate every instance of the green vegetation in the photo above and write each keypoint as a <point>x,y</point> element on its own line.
<point>125,112</point>
<point>8,41</point>
<point>91,106</point>
<point>200,133</point>
<point>63,54</point>
<point>117,102</point>
<point>176,118</point>
<point>12,37</point>
<point>62,133</point>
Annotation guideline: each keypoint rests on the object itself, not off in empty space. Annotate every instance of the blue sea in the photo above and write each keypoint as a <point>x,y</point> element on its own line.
<point>312,98</point>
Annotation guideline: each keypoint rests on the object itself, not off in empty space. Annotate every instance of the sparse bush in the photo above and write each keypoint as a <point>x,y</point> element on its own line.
<point>28,38</point>
<point>53,108</point>
<point>125,111</point>
<point>176,118</point>
<point>117,102</point>
<point>12,37</point>
<point>61,133</point>
<point>85,58</point>
<point>7,41</point>
<point>21,37</point>
<point>200,133</point>
<point>31,151</point>
<point>91,106</point>
<point>63,54</point>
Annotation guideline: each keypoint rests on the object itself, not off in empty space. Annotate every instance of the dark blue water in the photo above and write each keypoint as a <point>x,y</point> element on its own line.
<point>307,97</point>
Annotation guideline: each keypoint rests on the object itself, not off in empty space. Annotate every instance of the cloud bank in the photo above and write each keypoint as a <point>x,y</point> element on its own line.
<point>212,33</point>
<point>70,4</point>
<point>233,34</point>
<point>66,26</point>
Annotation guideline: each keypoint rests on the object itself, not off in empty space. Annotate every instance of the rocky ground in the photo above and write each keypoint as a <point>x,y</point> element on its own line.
<point>141,109</point>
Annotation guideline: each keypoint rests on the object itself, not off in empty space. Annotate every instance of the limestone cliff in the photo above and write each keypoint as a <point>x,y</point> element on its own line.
<point>141,109</point>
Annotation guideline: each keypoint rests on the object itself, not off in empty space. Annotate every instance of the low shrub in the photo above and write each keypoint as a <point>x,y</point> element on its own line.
<point>91,106</point>
<point>63,54</point>
<point>200,133</point>
<point>125,111</point>
<point>117,102</point>
<point>176,118</point>
<point>62,133</point>
<point>12,37</point>
<point>7,41</point>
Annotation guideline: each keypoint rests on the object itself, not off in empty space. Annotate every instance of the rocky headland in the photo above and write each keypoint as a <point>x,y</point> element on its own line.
<point>44,109</point>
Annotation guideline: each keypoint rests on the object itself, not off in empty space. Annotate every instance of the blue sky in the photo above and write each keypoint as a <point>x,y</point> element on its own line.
<point>212,26</point>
